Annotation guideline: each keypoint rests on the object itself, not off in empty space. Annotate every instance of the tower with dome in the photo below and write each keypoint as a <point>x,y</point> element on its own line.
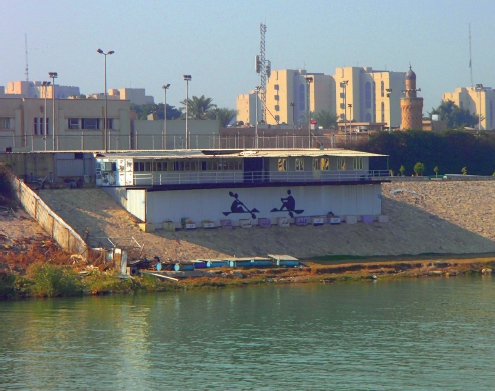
<point>411,106</point>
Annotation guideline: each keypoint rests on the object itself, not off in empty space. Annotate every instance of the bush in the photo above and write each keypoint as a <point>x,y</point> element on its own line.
<point>52,280</point>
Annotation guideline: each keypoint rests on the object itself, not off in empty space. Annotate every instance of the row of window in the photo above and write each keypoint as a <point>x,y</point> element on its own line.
<point>185,165</point>
<point>39,126</point>
<point>321,164</point>
<point>6,123</point>
<point>88,123</point>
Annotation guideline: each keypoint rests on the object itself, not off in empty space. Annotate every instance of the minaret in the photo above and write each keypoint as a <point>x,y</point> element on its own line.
<point>411,106</point>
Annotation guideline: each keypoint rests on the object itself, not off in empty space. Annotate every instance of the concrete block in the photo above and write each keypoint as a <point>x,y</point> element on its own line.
<point>367,219</point>
<point>301,221</point>
<point>351,219</point>
<point>147,227</point>
<point>283,222</point>
<point>318,220</point>
<point>333,219</point>
<point>168,226</point>
<point>226,224</point>
<point>264,223</point>
<point>245,223</point>
<point>207,224</point>
<point>382,219</point>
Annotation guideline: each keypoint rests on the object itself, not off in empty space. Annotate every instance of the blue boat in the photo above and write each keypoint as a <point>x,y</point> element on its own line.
<point>260,262</point>
<point>184,267</point>
<point>240,263</point>
<point>217,263</point>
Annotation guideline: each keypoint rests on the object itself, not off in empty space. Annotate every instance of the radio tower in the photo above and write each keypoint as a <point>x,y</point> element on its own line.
<point>263,67</point>
<point>26,47</point>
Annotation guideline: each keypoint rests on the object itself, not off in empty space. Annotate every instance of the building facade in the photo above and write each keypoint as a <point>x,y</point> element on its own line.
<point>35,89</point>
<point>478,100</point>
<point>352,93</point>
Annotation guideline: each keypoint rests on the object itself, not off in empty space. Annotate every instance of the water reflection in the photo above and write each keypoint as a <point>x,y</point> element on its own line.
<point>416,334</point>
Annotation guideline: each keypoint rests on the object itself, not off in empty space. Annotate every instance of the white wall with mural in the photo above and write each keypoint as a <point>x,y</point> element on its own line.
<point>266,202</point>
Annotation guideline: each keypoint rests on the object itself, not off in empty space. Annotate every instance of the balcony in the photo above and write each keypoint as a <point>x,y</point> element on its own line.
<point>257,177</point>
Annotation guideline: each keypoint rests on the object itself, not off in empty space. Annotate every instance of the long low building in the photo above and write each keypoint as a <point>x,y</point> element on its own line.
<point>236,185</point>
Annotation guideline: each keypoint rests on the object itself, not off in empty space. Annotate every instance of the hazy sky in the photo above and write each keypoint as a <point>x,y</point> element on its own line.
<point>156,42</point>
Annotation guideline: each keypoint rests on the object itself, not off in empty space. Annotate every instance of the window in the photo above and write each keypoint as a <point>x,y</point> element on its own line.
<point>367,95</point>
<point>299,164</point>
<point>47,126</point>
<point>342,105</point>
<point>282,164</point>
<point>277,118</point>
<point>461,104</point>
<point>341,163</point>
<point>302,97</point>
<point>5,123</point>
<point>491,113</point>
<point>368,117</point>
<point>277,87</point>
<point>342,95</point>
<point>109,123</point>
<point>73,123</point>
<point>148,166</point>
<point>277,97</point>
<point>383,111</point>
<point>382,86</point>
<point>358,163</point>
<point>138,166</point>
<point>90,123</point>
<point>321,164</point>
<point>36,126</point>
<point>277,108</point>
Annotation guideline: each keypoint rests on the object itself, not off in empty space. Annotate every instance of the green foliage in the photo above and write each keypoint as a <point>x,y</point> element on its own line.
<point>325,119</point>
<point>199,108</point>
<point>456,117</point>
<point>419,168</point>
<point>142,111</point>
<point>436,170</point>
<point>52,280</point>
<point>464,170</point>
<point>402,170</point>
<point>225,116</point>
<point>451,150</point>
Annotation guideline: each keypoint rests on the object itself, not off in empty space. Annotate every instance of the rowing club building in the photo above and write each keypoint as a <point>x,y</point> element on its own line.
<point>209,188</point>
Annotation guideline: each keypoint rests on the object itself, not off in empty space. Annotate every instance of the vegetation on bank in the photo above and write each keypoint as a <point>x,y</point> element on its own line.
<point>449,152</point>
<point>56,280</point>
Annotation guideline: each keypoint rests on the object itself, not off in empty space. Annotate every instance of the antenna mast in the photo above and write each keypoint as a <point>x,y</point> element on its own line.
<point>263,72</point>
<point>26,47</point>
<point>470,58</point>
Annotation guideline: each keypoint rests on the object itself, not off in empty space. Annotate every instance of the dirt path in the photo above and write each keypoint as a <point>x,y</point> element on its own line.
<point>447,217</point>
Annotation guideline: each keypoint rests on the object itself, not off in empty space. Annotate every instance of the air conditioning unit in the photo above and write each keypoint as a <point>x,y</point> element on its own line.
<point>106,166</point>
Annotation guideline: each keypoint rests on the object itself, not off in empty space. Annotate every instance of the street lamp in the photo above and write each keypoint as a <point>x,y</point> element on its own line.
<point>293,105</point>
<point>53,76</point>
<point>45,127</point>
<point>105,125</point>
<point>389,93</point>
<point>309,80</point>
<point>187,78</point>
<point>479,88</point>
<point>256,143</point>
<point>350,123</point>
<point>165,88</point>
<point>343,84</point>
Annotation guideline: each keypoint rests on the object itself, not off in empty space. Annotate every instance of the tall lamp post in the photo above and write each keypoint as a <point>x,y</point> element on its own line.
<point>45,127</point>
<point>350,123</point>
<point>106,124</point>
<point>164,139</point>
<point>389,93</point>
<point>309,80</point>
<point>53,76</point>
<point>343,84</point>
<point>256,142</point>
<point>187,78</point>
<point>479,88</point>
<point>293,105</point>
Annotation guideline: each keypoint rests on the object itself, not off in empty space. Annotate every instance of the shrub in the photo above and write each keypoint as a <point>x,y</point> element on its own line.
<point>53,280</point>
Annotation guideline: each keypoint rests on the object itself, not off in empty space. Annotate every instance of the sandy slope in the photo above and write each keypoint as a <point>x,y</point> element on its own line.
<point>448,217</point>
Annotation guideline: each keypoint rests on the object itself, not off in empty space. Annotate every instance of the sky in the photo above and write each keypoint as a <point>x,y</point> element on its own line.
<point>157,42</point>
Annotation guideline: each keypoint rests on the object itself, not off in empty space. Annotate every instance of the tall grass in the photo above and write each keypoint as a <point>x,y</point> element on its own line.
<point>54,280</point>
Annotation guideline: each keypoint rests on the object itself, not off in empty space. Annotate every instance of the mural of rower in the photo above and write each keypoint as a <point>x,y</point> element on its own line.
<point>288,205</point>
<point>239,207</point>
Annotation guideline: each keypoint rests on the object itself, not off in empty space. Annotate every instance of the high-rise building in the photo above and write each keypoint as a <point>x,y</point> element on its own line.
<point>478,100</point>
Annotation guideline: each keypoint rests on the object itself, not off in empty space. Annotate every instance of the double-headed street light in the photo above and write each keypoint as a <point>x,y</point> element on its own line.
<point>105,125</point>
<point>389,93</point>
<point>309,80</point>
<point>53,76</point>
<point>479,88</point>
<point>165,88</point>
<point>45,127</point>
<point>187,78</point>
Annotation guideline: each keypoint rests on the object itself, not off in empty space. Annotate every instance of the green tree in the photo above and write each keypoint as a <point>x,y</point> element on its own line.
<point>199,108</point>
<point>456,117</point>
<point>402,170</point>
<point>225,116</point>
<point>436,171</point>
<point>464,170</point>
<point>325,119</point>
<point>142,111</point>
<point>419,168</point>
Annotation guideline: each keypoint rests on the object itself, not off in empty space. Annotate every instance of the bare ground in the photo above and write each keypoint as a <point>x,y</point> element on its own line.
<point>445,218</point>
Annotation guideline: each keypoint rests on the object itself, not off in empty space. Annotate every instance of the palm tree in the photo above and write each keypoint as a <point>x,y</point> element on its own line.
<point>225,116</point>
<point>325,119</point>
<point>199,108</point>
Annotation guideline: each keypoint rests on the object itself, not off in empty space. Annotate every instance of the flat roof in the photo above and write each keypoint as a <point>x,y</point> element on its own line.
<point>235,153</point>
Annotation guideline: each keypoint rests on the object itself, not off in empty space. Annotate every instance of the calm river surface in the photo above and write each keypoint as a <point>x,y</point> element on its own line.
<point>421,334</point>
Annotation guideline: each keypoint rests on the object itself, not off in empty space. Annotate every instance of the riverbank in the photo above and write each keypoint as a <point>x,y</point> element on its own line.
<point>45,279</point>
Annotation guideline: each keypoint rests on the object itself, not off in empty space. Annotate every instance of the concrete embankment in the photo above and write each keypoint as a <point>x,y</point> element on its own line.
<point>428,217</point>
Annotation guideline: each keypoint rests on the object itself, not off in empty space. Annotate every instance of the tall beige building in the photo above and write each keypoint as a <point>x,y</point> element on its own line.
<point>353,93</point>
<point>478,101</point>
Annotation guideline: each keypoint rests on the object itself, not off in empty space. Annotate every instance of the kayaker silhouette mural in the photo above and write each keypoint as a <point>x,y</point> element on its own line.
<point>239,207</point>
<point>288,205</point>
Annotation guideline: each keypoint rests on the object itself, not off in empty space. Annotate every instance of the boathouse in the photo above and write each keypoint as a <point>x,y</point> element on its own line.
<point>214,187</point>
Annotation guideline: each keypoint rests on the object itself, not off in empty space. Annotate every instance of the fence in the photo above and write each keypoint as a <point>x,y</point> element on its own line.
<point>57,228</point>
<point>147,142</point>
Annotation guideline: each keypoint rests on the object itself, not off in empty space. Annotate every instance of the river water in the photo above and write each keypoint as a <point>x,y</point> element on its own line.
<point>418,334</point>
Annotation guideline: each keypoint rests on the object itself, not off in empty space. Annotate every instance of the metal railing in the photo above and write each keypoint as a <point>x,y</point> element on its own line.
<point>199,177</point>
